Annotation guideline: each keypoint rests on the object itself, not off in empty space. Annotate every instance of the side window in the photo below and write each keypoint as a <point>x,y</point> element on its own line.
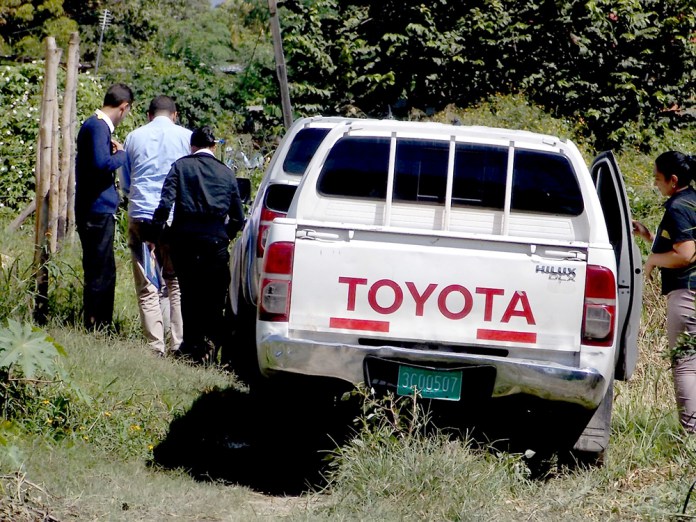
<point>545,182</point>
<point>611,205</point>
<point>479,176</point>
<point>279,197</point>
<point>356,167</point>
<point>421,170</point>
<point>302,150</point>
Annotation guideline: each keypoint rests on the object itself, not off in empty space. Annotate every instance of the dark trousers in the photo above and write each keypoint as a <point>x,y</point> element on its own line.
<point>202,268</point>
<point>97,237</point>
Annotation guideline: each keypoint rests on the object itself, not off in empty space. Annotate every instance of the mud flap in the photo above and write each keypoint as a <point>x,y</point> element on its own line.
<point>595,436</point>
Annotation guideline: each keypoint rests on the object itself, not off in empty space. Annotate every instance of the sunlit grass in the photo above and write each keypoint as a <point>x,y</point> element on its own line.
<point>95,464</point>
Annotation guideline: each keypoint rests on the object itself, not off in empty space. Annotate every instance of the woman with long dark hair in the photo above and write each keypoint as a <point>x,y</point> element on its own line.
<point>674,253</point>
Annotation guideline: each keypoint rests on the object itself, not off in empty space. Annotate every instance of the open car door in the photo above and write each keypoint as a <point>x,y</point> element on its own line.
<point>617,213</point>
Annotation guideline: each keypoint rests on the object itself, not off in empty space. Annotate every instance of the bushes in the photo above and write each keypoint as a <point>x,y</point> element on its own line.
<point>615,65</point>
<point>32,383</point>
<point>20,97</point>
<point>20,94</point>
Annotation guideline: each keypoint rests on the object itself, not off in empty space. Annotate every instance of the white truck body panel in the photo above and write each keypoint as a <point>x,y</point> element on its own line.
<point>246,266</point>
<point>445,283</point>
<point>450,290</point>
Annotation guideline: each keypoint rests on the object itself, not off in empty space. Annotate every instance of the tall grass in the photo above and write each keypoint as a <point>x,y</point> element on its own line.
<point>85,449</point>
<point>651,464</point>
<point>17,281</point>
<point>95,462</point>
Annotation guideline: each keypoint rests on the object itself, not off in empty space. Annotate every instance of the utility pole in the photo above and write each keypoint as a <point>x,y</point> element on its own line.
<point>105,19</point>
<point>280,64</point>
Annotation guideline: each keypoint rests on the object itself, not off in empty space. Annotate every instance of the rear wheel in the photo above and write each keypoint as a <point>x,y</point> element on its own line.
<point>239,350</point>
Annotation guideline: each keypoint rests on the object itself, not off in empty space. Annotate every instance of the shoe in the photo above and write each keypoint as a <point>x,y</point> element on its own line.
<point>184,354</point>
<point>208,356</point>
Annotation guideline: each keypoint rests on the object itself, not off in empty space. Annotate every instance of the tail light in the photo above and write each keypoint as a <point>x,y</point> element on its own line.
<point>274,296</point>
<point>600,307</point>
<point>265,220</point>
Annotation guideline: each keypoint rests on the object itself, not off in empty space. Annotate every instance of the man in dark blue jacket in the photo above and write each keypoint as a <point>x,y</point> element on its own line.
<point>208,213</point>
<point>96,202</point>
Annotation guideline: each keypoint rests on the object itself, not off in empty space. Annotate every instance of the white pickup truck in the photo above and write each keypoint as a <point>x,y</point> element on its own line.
<point>450,260</point>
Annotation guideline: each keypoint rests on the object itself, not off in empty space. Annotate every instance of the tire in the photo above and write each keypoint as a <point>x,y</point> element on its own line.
<point>239,350</point>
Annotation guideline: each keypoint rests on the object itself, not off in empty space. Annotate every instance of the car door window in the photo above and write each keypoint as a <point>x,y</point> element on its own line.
<point>542,181</point>
<point>302,150</point>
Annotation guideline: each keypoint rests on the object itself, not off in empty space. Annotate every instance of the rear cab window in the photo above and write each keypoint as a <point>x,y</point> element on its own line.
<point>542,182</point>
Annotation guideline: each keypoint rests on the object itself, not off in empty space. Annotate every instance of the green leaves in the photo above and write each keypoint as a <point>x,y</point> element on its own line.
<point>28,352</point>
<point>623,61</point>
<point>36,392</point>
<point>20,91</point>
<point>20,98</point>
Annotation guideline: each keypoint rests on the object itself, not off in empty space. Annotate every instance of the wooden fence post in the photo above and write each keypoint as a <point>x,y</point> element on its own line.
<point>53,196</point>
<point>66,219</point>
<point>44,164</point>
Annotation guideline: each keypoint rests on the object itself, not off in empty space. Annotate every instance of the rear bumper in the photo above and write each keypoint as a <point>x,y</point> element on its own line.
<point>546,380</point>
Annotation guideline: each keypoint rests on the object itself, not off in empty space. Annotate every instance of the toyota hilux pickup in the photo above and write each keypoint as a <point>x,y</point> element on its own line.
<point>462,264</point>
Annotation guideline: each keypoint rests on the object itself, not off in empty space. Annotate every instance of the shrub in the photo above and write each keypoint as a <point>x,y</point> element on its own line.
<point>20,96</point>
<point>614,65</point>
<point>32,382</point>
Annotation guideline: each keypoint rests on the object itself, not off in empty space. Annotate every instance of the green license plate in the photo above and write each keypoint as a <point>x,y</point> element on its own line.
<point>431,384</point>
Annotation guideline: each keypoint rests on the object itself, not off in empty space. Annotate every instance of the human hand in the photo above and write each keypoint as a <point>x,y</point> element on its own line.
<point>648,269</point>
<point>115,146</point>
<point>151,233</point>
<point>640,230</point>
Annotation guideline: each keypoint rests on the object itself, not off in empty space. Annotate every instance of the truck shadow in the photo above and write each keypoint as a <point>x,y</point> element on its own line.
<point>280,439</point>
<point>265,440</point>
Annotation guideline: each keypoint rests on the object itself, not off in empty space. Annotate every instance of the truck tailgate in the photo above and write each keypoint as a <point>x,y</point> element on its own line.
<point>379,284</point>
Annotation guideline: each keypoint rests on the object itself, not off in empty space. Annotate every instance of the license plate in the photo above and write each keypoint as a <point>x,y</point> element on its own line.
<point>431,384</point>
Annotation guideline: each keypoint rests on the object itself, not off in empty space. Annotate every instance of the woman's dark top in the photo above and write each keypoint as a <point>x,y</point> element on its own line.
<point>678,225</point>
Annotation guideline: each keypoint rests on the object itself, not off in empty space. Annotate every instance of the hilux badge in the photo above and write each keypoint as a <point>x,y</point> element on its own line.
<point>557,273</point>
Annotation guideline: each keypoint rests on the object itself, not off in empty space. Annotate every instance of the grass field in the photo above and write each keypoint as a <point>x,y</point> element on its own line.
<point>142,420</point>
<point>128,436</point>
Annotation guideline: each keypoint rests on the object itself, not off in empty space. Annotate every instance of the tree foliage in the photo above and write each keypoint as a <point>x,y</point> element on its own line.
<point>609,62</point>
<point>616,65</point>
<point>20,97</point>
<point>620,68</point>
<point>24,24</point>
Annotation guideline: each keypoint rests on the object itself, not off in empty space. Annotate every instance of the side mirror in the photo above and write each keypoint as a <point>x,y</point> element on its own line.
<point>244,187</point>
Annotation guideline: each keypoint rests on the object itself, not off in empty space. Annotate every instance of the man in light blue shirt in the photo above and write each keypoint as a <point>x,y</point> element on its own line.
<point>151,150</point>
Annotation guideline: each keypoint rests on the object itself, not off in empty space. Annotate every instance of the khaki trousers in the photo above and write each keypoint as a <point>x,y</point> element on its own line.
<point>680,318</point>
<point>160,310</point>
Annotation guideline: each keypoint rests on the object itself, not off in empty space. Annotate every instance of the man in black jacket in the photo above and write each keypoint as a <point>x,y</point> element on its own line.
<point>208,213</point>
